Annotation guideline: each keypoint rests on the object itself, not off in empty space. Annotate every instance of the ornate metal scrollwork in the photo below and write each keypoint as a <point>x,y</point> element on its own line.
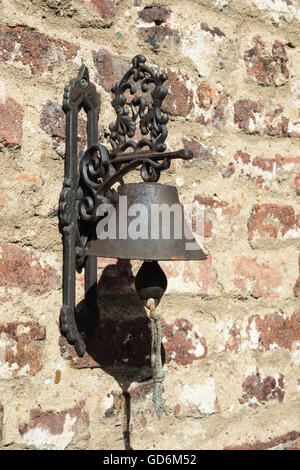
<point>100,169</point>
<point>152,119</point>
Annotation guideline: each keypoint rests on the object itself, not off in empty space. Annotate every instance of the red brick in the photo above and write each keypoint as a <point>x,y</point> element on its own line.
<point>155,13</point>
<point>127,343</point>
<point>297,285</point>
<point>22,268</point>
<point>274,330</point>
<point>11,119</point>
<point>244,110</point>
<point>35,49</point>
<point>267,68</point>
<point>105,8</point>
<point>110,68</point>
<point>286,439</point>
<point>182,344</point>
<point>191,276</point>
<point>263,171</point>
<point>210,106</point>
<point>21,355</point>
<point>158,37</point>
<point>257,280</point>
<point>265,117</point>
<point>212,207</point>
<point>179,100</point>
<point>53,122</point>
<point>206,95</point>
<point>258,390</point>
<point>53,423</point>
<point>200,151</point>
<point>272,221</point>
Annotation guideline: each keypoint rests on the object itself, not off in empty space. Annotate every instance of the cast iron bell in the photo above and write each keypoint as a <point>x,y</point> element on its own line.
<point>161,237</point>
<point>160,243</point>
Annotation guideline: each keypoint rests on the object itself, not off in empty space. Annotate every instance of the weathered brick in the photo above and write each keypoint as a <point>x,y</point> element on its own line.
<point>19,353</point>
<point>206,97</point>
<point>273,331</point>
<point>257,279</point>
<point>197,277</point>
<point>15,261</point>
<point>266,171</point>
<point>258,390</point>
<point>197,398</point>
<point>219,116</point>
<point>267,68</point>
<point>155,13</point>
<point>210,106</point>
<point>14,189</point>
<point>257,332</point>
<point>282,442</point>
<point>179,101</point>
<point>105,8</point>
<point>206,45</point>
<point>29,47</point>
<point>127,343</point>
<point>215,212</point>
<point>272,221</point>
<point>158,37</point>
<point>265,117</point>
<point>215,31</point>
<point>52,121</point>
<point>56,430</point>
<point>110,68</point>
<point>200,151</point>
<point>11,119</point>
<point>244,113</point>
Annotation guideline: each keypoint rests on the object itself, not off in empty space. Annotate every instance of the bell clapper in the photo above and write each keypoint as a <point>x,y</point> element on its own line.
<point>156,362</point>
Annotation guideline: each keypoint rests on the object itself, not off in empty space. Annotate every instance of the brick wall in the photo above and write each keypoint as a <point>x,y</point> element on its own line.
<point>231,324</point>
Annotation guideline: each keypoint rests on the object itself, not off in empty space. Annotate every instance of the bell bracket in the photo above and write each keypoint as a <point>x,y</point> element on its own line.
<point>90,175</point>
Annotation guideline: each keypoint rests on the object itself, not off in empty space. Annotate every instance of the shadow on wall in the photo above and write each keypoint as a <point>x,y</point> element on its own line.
<point>118,340</point>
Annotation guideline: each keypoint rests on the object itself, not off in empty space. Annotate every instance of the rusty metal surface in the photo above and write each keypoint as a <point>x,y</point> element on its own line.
<point>147,249</point>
